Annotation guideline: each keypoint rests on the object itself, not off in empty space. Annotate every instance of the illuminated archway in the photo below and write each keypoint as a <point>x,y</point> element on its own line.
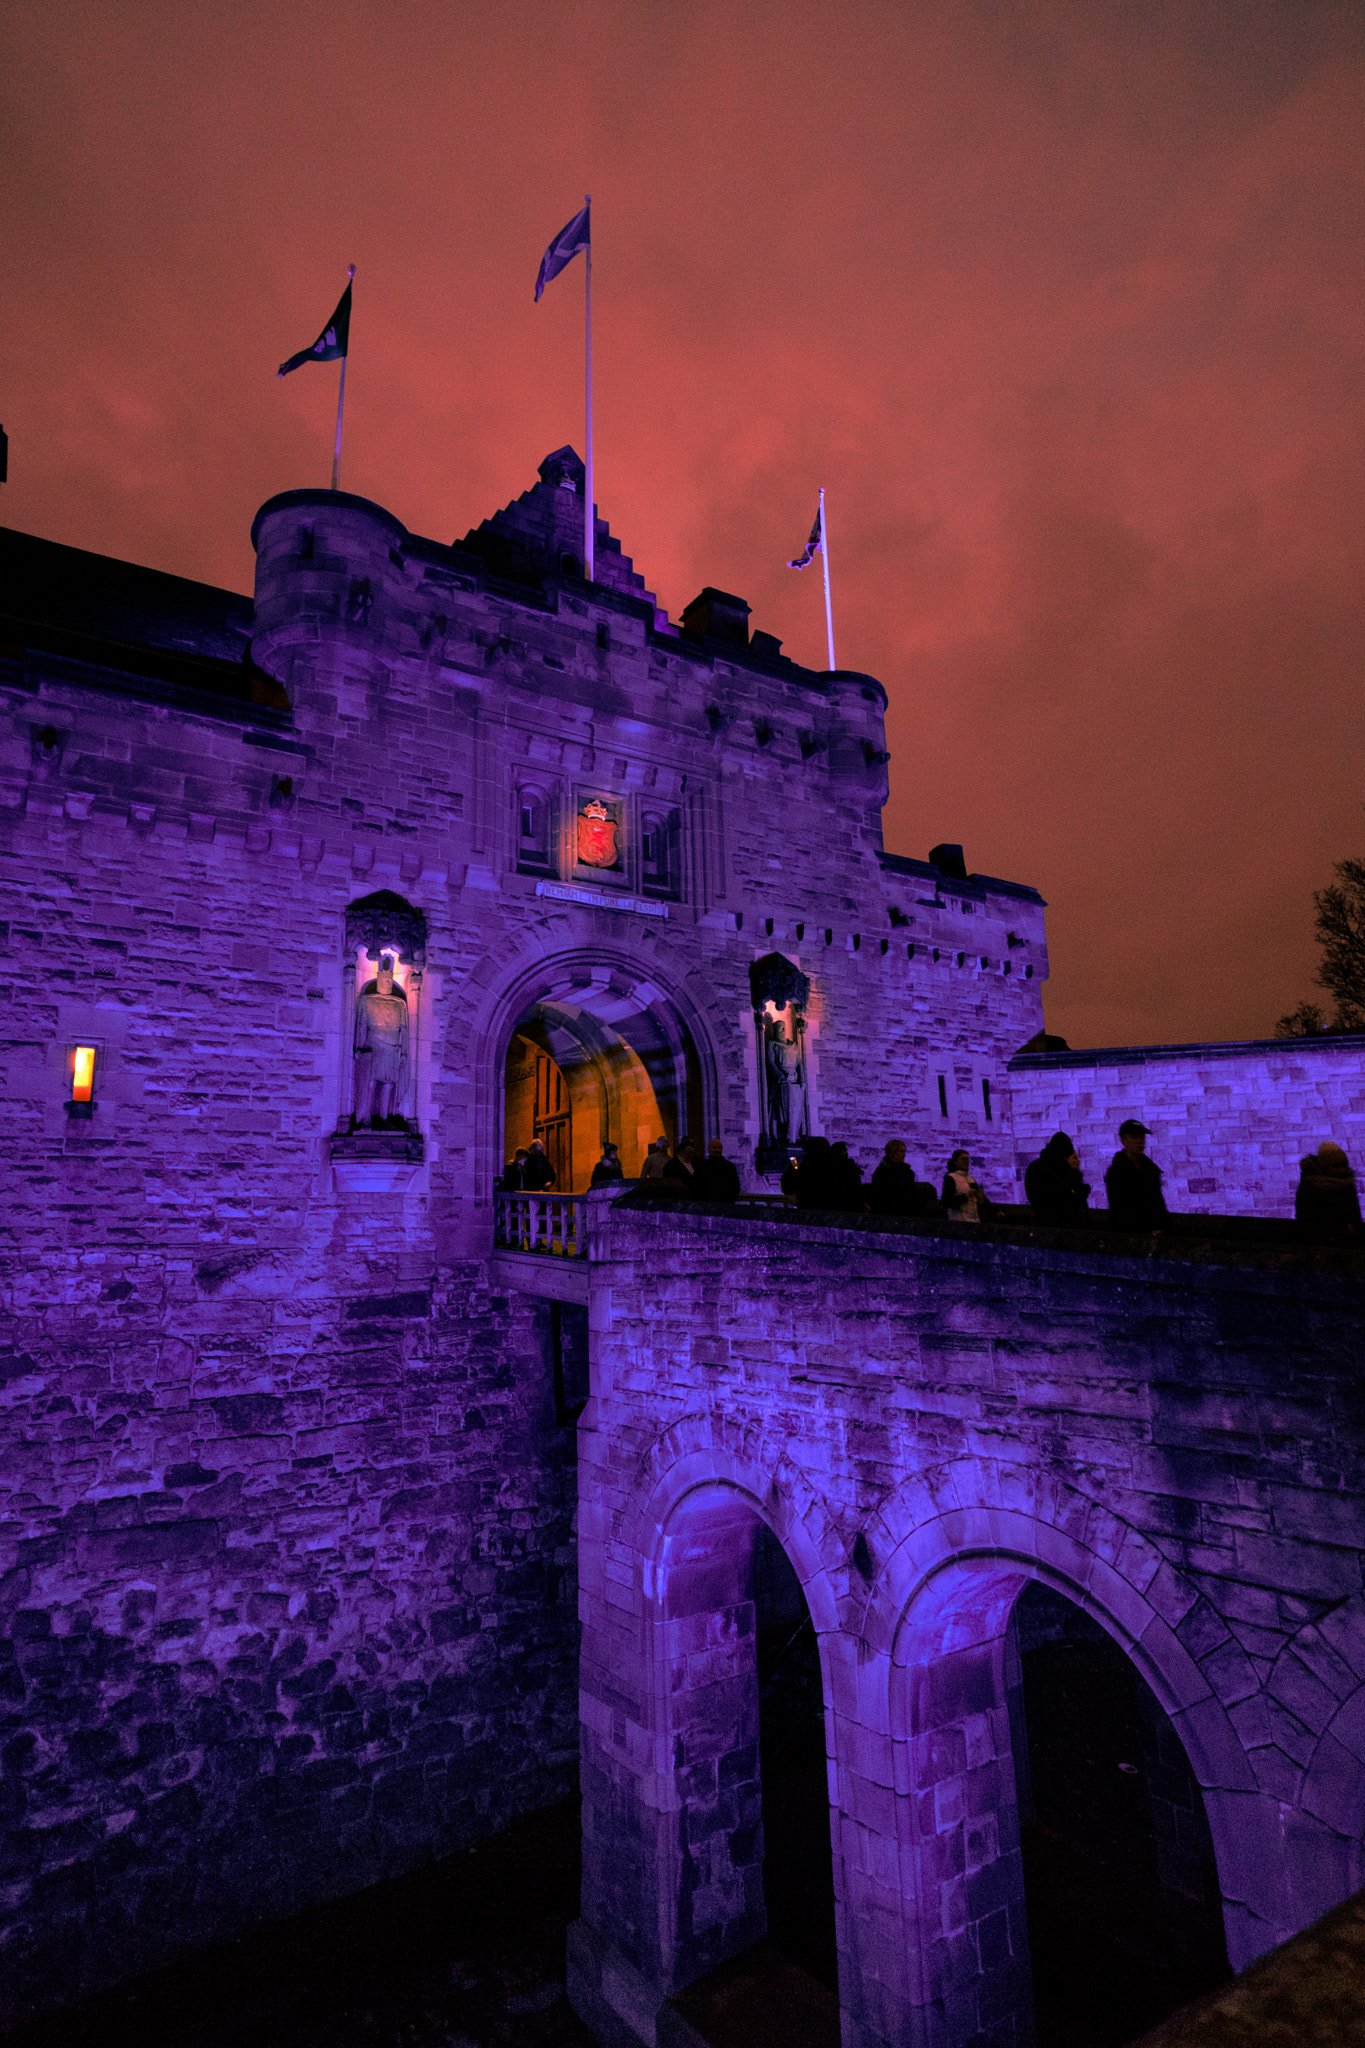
<point>595,1057</point>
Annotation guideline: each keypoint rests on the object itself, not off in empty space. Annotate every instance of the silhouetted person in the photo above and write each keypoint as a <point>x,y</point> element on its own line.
<point>537,1172</point>
<point>963,1198</point>
<point>815,1176</point>
<point>510,1184</point>
<point>1133,1182</point>
<point>717,1178</point>
<point>1326,1201</point>
<point>1053,1185</point>
<point>607,1170</point>
<point>894,1190</point>
<point>680,1174</point>
<point>846,1180</point>
<point>788,1180</point>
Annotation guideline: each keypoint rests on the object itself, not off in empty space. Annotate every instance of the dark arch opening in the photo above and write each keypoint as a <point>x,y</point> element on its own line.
<point>798,1871</point>
<point>1124,1912</point>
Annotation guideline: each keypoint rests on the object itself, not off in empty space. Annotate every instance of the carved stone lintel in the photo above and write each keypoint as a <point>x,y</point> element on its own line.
<point>386,919</point>
<point>376,1162</point>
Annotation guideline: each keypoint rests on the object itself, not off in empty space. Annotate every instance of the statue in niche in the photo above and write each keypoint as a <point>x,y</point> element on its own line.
<point>381,1050</point>
<point>780,995</point>
<point>786,1090</point>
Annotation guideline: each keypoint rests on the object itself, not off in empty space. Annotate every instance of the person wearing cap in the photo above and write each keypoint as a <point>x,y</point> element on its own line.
<point>1325,1201</point>
<point>1133,1182</point>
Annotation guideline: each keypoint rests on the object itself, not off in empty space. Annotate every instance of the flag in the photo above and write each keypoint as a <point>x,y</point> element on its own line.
<point>331,343</point>
<point>563,249</point>
<point>817,540</point>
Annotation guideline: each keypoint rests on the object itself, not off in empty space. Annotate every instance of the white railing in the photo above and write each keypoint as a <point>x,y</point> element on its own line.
<point>542,1223</point>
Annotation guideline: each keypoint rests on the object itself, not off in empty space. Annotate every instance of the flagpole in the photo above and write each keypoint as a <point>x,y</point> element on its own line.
<point>341,404</point>
<point>824,557</point>
<point>588,534</point>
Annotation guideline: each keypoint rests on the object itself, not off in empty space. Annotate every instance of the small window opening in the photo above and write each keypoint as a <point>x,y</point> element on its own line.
<point>568,564</point>
<point>886,947</point>
<point>962,959</point>
<point>305,543</point>
<point>986,1099</point>
<point>533,828</point>
<point>800,933</point>
<point>857,942</point>
<point>768,926</point>
<point>604,637</point>
<point>829,936</point>
<point>943,1095</point>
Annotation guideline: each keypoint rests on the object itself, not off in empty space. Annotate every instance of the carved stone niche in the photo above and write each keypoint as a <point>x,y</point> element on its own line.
<point>780,994</point>
<point>377,1146</point>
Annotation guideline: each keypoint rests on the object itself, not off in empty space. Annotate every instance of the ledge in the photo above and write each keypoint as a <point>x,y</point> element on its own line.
<point>376,1162</point>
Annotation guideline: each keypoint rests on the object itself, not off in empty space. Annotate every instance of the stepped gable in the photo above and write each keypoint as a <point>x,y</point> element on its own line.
<point>540,534</point>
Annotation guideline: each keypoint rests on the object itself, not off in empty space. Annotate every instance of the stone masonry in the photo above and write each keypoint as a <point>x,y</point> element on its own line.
<point>928,1417</point>
<point>1229,1123</point>
<point>286,1497</point>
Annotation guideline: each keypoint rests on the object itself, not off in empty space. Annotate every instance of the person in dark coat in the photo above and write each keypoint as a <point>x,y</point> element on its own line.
<point>608,1169</point>
<point>1053,1186</point>
<point>1326,1202</point>
<point>893,1189</point>
<point>846,1180</point>
<point>680,1174</point>
<point>510,1184</point>
<point>717,1178</point>
<point>815,1176</point>
<point>1133,1182</point>
<point>536,1171</point>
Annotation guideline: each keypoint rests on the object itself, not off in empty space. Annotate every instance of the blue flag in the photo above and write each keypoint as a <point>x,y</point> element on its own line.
<point>563,249</point>
<point>331,343</point>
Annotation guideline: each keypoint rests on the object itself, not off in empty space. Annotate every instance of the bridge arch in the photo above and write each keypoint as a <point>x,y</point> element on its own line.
<point>1319,1680</point>
<point>950,1573</point>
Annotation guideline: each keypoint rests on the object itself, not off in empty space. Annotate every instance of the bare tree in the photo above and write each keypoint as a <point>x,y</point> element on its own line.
<point>1340,925</point>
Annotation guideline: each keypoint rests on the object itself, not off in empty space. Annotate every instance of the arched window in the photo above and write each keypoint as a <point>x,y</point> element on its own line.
<point>659,865</point>
<point>533,828</point>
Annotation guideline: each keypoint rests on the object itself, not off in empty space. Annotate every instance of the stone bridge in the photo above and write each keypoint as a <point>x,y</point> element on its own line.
<point>929,1420</point>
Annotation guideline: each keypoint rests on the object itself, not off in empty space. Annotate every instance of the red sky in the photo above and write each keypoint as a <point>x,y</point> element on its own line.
<point>1061,302</point>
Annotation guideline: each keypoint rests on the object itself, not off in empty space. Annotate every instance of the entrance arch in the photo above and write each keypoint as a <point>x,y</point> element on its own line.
<point>593,1051</point>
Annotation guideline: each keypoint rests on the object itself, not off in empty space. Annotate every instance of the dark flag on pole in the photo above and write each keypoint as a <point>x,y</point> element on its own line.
<point>817,538</point>
<point>563,249</point>
<point>332,341</point>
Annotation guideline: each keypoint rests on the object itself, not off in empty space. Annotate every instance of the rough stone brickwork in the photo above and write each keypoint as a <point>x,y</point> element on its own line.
<point>286,1568</point>
<point>928,1418</point>
<point>1229,1123</point>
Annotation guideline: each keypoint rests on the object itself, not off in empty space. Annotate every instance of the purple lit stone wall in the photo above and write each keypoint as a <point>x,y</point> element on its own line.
<point>1229,1123</point>
<point>289,1598</point>
<point>928,1418</point>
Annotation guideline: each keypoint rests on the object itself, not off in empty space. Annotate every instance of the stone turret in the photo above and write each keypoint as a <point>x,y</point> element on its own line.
<point>329,593</point>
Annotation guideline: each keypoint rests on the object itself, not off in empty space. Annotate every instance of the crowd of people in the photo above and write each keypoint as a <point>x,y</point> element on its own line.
<point>824,1175</point>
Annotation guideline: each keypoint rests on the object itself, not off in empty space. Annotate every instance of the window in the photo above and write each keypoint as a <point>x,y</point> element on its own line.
<point>986,1099</point>
<point>943,1095</point>
<point>659,849</point>
<point>533,828</point>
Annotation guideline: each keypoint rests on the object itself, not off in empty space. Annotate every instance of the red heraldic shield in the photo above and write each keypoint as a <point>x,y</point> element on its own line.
<point>596,836</point>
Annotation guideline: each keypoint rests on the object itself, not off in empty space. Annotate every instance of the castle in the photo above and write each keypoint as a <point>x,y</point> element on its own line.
<point>319,906</point>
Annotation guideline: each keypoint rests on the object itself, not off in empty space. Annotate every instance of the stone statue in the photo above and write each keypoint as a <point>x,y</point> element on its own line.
<point>381,1049</point>
<point>786,1094</point>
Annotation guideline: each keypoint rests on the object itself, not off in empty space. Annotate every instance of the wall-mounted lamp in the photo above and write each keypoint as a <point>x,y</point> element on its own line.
<point>81,1077</point>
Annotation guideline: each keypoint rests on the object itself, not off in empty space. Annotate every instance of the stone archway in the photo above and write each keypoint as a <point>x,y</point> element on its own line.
<point>596,1052</point>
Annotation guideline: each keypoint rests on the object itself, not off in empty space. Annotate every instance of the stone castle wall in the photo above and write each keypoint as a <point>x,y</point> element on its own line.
<point>286,1551</point>
<point>1229,1123</point>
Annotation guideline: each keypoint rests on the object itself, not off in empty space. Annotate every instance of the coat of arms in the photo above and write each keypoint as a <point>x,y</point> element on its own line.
<point>597,835</point>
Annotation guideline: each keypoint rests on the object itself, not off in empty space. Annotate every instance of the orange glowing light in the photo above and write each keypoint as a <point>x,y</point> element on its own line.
<point>83,1074</point>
